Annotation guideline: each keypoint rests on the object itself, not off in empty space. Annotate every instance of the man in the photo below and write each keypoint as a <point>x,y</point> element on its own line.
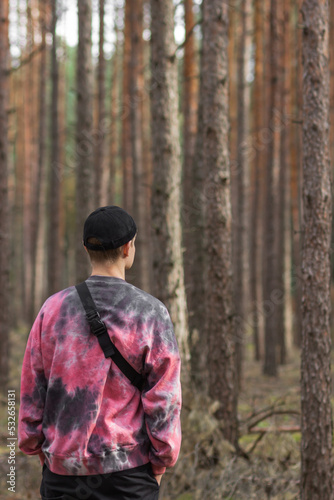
<point>97,435</point>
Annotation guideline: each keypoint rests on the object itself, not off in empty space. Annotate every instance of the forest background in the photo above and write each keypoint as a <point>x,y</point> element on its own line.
<point>197,118</point>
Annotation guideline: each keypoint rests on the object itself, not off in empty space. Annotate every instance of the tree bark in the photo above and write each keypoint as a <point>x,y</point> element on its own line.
<point>192,211</point>
<point>256,248</point>
<point>241,179</point>
<point>37,230</point>
<point>127,168</point>
<point>166,190</point>
<point>220,325</point>
<point>55,171</point>
<point>99,163</point>
<point>141,267</point>
<point>84,140</point>
<point>272,293</point>
<point>4,208</point>
<point>316,420</point>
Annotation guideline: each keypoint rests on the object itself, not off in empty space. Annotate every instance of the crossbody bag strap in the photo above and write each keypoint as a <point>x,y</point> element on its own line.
<point>99,329</point>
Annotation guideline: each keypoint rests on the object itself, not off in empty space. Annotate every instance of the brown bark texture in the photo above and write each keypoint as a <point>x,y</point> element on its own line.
<point>4,208</point>
<point>272,292</point>
<point>54,270</point>
<point>220,325</point>
<point>256,185</point>
<point>84,135</point>
<point>141,268</point>
<point>99,163</point>
<point>316,419</point>
<point>127,168</point>
<point>166,189</point>
<point>192,208</point>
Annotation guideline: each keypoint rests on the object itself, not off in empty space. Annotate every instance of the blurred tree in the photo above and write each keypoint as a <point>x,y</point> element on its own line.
<point>166,190</point>
<point>141,268</point>
<point>272,293</point>
<point>127,169</point>
<point>257,174</point>
<point>4,208</point>
<point>99,162</point>
<point>192,211</point>
<point>316,420</point>
<point>220,324</point>
<point>84,136</point>
<point>241,179</point>
<point>55,173</point>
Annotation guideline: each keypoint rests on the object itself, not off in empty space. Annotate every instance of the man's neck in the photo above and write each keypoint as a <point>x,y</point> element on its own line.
<point>112,271</point>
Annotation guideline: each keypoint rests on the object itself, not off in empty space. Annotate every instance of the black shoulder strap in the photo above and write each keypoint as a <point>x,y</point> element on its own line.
<point>99,329</point>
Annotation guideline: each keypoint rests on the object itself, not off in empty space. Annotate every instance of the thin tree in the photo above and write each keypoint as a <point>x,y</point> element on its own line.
<point>256,177</point>
<point>193,205</point>
<point>241,179</point>
<point>55,172</point>
<point>270,287</point>
<point>166,190</point>
<point>84,142</point>
<point>37,228</point>
<point>141,268</point>
<point>218,236</point>
<point>316,420</point>
<point>99,170</point>
<point>4,208</point>
<point>127,169</point>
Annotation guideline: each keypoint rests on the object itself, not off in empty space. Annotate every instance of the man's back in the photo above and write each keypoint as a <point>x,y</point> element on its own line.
<point>77,407</point>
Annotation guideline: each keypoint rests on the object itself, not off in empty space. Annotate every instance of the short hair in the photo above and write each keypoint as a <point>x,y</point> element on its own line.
<point>103,256</point>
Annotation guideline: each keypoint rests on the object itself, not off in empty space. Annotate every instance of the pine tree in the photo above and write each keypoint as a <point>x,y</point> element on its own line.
<point>316,419</point>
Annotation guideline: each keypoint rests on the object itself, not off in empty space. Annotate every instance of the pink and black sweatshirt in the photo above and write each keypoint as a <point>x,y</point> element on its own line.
<point>78,411</point>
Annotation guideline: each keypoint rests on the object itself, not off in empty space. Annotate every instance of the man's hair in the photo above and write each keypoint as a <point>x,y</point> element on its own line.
<point>103,256</point>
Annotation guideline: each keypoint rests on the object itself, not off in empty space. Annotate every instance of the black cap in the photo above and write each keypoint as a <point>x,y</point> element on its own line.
<point>111,225</point>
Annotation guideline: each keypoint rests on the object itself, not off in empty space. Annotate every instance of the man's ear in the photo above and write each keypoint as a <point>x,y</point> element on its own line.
<point>126,249</point>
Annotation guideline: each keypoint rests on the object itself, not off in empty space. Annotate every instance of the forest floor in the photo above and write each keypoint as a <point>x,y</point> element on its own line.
<point>208,467</point>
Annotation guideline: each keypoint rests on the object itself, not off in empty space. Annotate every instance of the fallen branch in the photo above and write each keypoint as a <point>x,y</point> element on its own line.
<point>265,430</point>
<point>270,414</point>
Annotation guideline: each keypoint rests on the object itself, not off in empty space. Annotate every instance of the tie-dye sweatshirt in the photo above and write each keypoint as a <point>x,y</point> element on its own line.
<point>78,411</point>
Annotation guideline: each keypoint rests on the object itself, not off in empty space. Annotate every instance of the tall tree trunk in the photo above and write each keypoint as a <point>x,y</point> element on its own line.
<point>256,183</point>
<point>271,209</point>
<point>4,209</point>
<point>84,147</point>
<point>125,115</point>
<point>241,179</point>
<point>37,229</point>
<point>114,110</point>
<point>296,178</point>
<point>192,214</point>
<point>219,286</point>
<point>316,420</point>
<point>141,268</point>
<point>99,168</point>
<point>166,190</point>
<point>55,172</point>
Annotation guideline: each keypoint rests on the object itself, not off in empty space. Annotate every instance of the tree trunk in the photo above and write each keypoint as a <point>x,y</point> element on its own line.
<point>316,420</point>
<point>219,286</point>
<point>37,230</point>
<point>55,171</point>
<point>241,179</point>
<point>166,190</point>
<point>99,167</point>
<point>141,267</point>
<point>4,208</point>
<point>256,248</point>
<point>127,169</point>
<point>84,143</point>
<point>192,211</point>
<point>272,294</point>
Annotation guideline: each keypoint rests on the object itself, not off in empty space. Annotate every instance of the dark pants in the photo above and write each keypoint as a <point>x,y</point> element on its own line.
<point>132,484</point>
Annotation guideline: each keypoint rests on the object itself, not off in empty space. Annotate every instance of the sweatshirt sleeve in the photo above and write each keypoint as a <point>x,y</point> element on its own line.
<point>161,396</point>
<point>33,393</point>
